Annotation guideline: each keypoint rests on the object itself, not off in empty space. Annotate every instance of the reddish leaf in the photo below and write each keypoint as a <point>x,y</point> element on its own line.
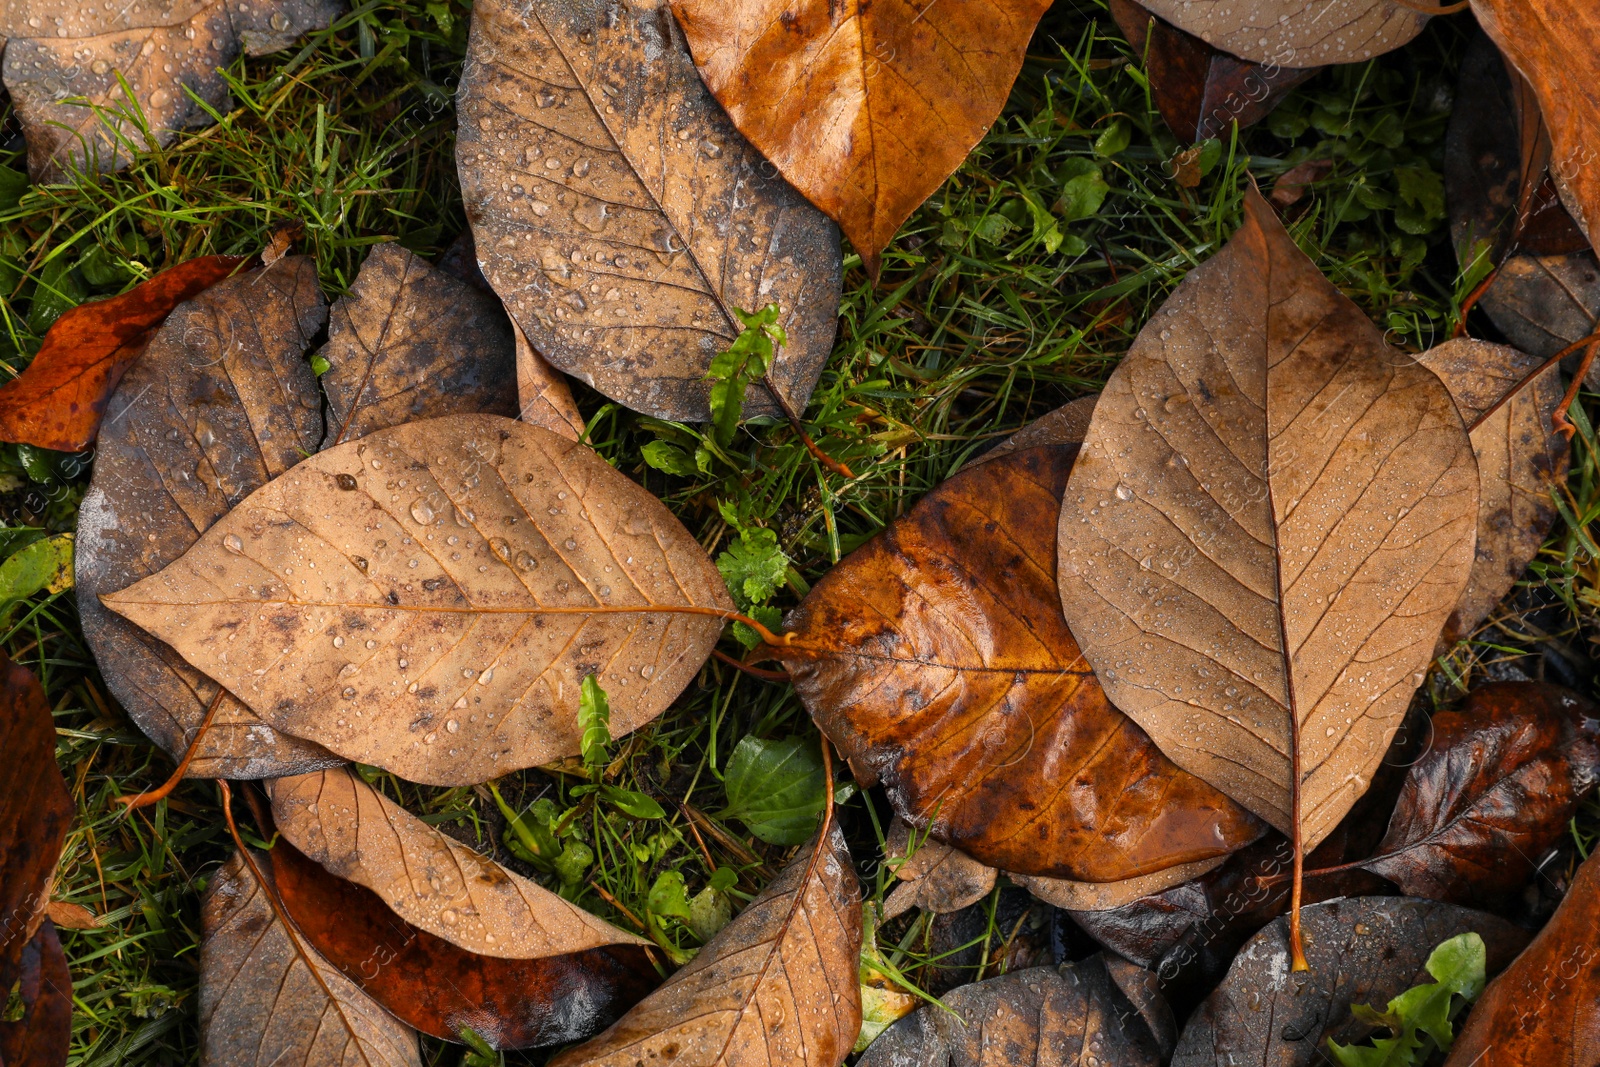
<point>35,809</point>
<point>1544,1011</point>
<point>436,987</point>
<point>58,400</point>
<point>40,1037</point>
<point>1496,788</point>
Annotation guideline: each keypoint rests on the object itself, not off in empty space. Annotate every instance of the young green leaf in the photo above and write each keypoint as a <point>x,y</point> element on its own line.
<point>668,457</point>
<point>744,362</point>
<point>753,566</point>
<point>1419,1018</point>
<point>594,720</point>
<point>42,565</point>
<point>776,788</point>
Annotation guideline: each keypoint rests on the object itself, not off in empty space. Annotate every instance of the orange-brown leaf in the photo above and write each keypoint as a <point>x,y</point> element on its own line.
<point>35,808</point>
<point>57,402</point>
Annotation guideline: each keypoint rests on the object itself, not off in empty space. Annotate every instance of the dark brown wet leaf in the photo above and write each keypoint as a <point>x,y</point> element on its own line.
<point>619,214</point>
<point>778,985</point>
<point>437,987</point>
<point>1522,461</point>
<point>428,599</point>
<point>1545,1009</point>
<point>35,810</point>
<point>41,1033</point>
<point>1199,90</point>
<point>935,877</point>
<point>543,396</point>
<point>1362,950</point>
<point>429,879</point>
<point>268,1000</point>
<point>411,342</point>
<point>1043,1015</point>
<point>865,107</point>
<point>1272,517</point>
<point>1498,786</point>
<point>936,657</point>
<point>221,401</point>
<point>164,52</point>
<point>58,400</point>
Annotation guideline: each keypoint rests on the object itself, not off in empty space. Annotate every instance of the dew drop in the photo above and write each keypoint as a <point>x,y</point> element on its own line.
<point>233,544</point>
<point>421,512</point>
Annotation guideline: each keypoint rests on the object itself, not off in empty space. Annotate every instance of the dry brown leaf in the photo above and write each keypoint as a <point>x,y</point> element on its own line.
<point>36,1030</point>
<point>268,1000</point>
<point>1295,33</point>
<point>1104,896</point>
<point>543,396</point>
<point>935,877</point>
<point>411,342</point>
<point>64,54</point>
<point>778,985</point>
<point>431,881</point>
<point>1521,460</point>
<point>69,916</point>
<point>865,107</point>
<point>429,599</point>
<point>221,402</point>
<point>1551,42</point>
<point>1269,524</point>
<point>621,216</point>
<point>937,658</point>
<point>1066,425</point>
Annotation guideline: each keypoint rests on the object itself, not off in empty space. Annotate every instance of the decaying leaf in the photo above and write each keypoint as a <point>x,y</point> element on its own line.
<point>64,81</point>
<point>934,877</point>
<point>221,402</point>
<point>777,985</point>
<point>410,342</point>
<point>936,657</point>
<point>59,398</point>
<point>1499,784</point>
<point>1043,1015</point>
<point>864,107</point>
<point>436,987</point>
<point>1200,91</point>
<point>69,916</point>
<point>35,811</point>
<point>543,396</point>
<point>619,214</point>
<point>1104,896</point>
<point>432,881</point>
<point>1551,43</point>
<point>1362,950</point>
<point>36,1030</point>
<point>1545,1009</point>
<point>429,599</point>
<point>1293,33</point>
<point>1521,460</point>
<point>1271,519</point>
<point>1065,425</point>
<point>268,1000</point>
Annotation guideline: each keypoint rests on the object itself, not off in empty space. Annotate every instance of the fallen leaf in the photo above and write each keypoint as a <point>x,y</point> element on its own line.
<point>36,1030</point>
<point>1521,462</point>
<point>777,985</point>
<point>1043,1015</point>
<point>433,882</point>
<point>409,342</point>
<point>934,877</point>
<point>441,628</point>
<point>1364,950</point>
<point>1264,473</point>
<point>1549,42</point>
<point>69,916</point>
<point>67,87</point>
<point>221,402</point>
<point>865,108</point>
<point>1103,896</point>
<point>1292,184</point>
<point>1545,1008</point>
<point>1065,425</point>
<point>59,398</point>
<point>44,566</point>
<point>268,1000</point>
<point>622,218</point>
<point>543,396</point>
<point>35,809</point>
<point>1497,787</point>
<point>937,659</point>
<point>436,987</point>
<point>1293,33</point>
<point>1200,91</point>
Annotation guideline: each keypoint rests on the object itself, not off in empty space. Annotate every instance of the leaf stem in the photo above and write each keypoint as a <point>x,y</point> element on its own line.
<point>151,796</point>
<point>1558,421</point>
<point>811,446</point>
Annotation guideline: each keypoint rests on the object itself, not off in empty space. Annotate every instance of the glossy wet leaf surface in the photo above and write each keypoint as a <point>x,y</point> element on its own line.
<point>1292,33</point>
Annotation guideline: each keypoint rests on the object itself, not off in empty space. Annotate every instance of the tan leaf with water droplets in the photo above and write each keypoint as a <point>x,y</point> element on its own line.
<point>1294,33</point>
<point>268,1000</point>
<point>431,881</point>
<point>65,55</point>
<point>619,214</point>
<point>1270,521</point>
<point>778,985</point>
<point>429,599</point>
